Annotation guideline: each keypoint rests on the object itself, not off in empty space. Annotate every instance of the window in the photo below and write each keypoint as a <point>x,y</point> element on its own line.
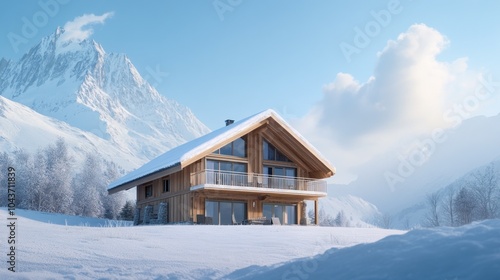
<point>278,177</point>
<point>221,173</point>
<point>225,212</point>
<point>271,153</point>
<point>148,191</point>
<point>166,185</point>
<point>237,148</point>
<point>287,213</point>
<point>229,166</point>
<point>280,171</point>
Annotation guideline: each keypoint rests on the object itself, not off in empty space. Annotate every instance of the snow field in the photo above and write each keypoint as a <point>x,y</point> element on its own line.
<point>52,251</point>
<point>58,251</point>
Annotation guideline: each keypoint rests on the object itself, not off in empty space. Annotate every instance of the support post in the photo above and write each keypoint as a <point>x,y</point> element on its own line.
<point>303,213</point>
<point>316,212</point>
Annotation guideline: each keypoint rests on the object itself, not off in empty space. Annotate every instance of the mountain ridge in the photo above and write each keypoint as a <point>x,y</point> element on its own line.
<point>78,83</point>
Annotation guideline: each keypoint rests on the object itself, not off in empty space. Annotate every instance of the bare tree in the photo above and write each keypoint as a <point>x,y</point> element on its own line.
<point>485,190</point>
<point>387,221</point>
<point>382,220</point>
<point>464,204</point>
<point>432,217</point>
<point>449,207</point>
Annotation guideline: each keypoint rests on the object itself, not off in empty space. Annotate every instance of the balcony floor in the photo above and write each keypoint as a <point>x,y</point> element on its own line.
<point>259,190</point>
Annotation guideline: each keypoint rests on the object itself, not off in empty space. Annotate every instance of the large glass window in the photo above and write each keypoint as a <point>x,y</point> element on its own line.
<point>225,212</point>
<point>212,212</point>
<point>221,173</point>
<point>229,166</point>
<point>279,182</point>
<point>237,148</point>
<point>271,153</point>
<point>286,213</point>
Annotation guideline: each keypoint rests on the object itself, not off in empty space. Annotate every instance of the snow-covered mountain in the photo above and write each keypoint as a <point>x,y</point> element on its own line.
<point>98,92</point>
<point>23,128</point>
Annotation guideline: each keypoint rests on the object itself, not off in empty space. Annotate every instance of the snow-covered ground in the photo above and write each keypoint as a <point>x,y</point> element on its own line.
<point>468,252</point>
<point>58,251</point>
<point>162,252</point>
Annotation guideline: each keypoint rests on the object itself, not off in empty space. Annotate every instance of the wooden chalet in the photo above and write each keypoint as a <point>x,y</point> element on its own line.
<point>249,171</point>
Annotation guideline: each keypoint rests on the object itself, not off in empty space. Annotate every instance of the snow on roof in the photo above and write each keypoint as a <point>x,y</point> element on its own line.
<point>192,149</point>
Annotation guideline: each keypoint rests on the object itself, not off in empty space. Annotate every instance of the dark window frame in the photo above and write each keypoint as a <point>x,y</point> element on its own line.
<point>233,149</point>
<point>272,153</point>
<point>167,187</point>
<point>148,191</point>
<point>233,164</point>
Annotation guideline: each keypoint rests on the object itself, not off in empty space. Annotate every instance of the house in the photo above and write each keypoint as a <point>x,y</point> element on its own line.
<point>249,171</point>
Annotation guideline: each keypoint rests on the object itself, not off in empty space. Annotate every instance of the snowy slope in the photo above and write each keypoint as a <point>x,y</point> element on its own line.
<point>48,251</point>
<point>51,251</point>
<point>468,252</point>
<point>359,212</point>
<point>23,128</point>
<point>69,220</point>
<point>472,144</point>
<point>103,93</point>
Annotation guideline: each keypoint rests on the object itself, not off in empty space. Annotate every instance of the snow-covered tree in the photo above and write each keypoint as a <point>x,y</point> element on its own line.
<point>24,171</point>
<point>112,203</point>
<point>127,212</point>
<point>59,167</point>
<point>5,163</point>
<point>38,193</point>
<point>88,188</point>
<point>341,219</point>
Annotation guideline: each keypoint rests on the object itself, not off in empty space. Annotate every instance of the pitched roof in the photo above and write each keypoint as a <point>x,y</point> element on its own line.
<point>186,153</point>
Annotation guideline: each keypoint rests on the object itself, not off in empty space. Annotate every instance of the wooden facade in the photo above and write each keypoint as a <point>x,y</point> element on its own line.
<point>196,192</point>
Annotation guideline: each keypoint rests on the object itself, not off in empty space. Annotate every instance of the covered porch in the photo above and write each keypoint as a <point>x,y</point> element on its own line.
<point>231,205</point>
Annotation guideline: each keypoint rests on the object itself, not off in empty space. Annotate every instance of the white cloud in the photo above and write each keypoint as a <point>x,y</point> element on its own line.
<point>75,30</point>
<point>406,96</point>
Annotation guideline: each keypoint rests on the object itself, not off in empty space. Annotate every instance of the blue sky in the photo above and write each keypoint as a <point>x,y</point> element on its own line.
<point>230,58</point>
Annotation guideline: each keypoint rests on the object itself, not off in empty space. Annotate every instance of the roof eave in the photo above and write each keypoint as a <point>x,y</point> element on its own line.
<point>145,179</point>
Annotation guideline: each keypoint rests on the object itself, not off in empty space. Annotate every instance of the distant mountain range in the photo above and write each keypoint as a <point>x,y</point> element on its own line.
<point>398,181</point>
<point>96,101</point>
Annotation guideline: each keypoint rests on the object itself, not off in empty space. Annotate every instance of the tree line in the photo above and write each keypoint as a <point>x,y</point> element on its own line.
<point>46,181</point>
<point>327,220</point>
<point>475,198</point>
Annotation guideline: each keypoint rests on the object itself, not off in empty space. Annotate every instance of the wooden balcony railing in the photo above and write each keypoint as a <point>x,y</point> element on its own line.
<point>239,179</point>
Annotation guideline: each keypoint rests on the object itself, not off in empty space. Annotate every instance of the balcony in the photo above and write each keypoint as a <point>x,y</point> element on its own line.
<point>253,182</point>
